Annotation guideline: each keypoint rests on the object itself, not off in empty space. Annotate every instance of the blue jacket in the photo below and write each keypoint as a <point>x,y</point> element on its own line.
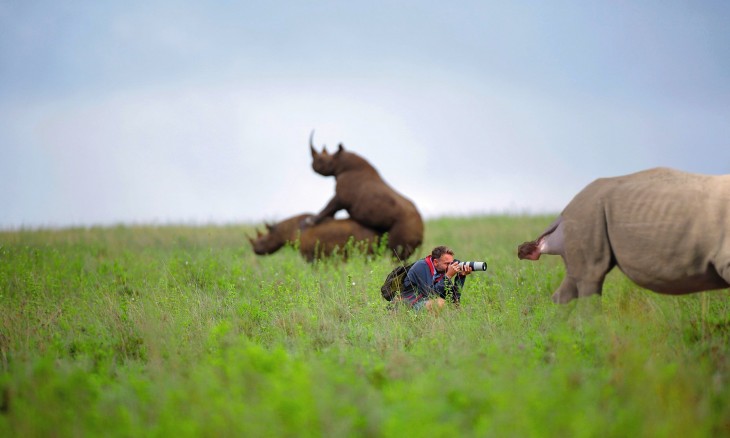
<point>422,280</point>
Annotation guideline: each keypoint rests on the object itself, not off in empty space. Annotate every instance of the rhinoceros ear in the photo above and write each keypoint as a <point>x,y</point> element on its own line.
<point>340,148</point>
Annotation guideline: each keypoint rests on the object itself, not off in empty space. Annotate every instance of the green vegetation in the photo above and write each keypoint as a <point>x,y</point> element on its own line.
<point>183,331</point>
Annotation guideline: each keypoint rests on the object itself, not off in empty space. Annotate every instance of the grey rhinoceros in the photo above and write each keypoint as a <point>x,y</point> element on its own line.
<point>667,230</point>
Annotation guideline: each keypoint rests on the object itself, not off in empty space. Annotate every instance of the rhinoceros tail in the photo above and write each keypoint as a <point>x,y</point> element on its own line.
<point>553,226</point>
<point>529,251</point>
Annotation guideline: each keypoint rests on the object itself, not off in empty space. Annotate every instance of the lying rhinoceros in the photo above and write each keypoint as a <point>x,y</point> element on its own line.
<point>316,241</point>
<point>668,231</point>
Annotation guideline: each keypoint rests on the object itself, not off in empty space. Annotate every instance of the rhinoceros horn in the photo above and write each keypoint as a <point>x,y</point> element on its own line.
<point>311,145</point>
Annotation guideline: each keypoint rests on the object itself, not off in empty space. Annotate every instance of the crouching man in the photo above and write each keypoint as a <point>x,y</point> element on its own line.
<point>433,280</point>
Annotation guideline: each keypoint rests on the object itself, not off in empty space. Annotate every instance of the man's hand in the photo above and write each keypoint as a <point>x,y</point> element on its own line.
<point>466,271</point>
<point>455,268</point>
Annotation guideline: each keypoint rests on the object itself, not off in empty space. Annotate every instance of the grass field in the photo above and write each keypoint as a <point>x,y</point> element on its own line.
<point>183,331</point>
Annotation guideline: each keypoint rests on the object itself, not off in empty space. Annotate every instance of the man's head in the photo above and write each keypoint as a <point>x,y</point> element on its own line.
<point>442,257</point>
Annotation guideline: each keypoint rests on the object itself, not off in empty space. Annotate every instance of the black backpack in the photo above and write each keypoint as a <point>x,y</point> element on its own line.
<point>393,284</point>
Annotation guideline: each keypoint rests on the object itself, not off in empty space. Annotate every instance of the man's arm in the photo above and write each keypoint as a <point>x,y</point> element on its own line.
<point>446,287</point>
<point>419,279</point>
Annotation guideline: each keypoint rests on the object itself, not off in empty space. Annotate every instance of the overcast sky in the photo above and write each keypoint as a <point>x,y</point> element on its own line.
<point>195,112</point>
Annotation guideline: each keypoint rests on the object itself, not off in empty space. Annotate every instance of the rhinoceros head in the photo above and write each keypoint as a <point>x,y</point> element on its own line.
<point>277,235</point>
<point>324,163</point>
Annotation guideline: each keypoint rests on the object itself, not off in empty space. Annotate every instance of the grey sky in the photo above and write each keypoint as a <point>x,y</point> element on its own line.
<point>174,111</point>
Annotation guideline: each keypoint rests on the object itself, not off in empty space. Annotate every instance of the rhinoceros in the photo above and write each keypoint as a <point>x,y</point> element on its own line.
<point>667,230</point>
<point>315,242</point>
<point>368,199</point>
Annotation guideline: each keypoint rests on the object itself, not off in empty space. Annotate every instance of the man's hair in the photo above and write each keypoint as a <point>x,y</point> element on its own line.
<point>441,250</point>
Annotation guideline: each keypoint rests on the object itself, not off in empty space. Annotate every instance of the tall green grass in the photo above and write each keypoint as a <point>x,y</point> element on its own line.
<point>183,331</point>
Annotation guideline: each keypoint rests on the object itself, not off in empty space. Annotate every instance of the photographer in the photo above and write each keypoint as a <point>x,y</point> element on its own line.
<point>433,279</point>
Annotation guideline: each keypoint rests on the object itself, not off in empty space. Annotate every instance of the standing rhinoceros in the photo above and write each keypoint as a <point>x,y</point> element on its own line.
<point>668,231</point>
<point>368,199</point>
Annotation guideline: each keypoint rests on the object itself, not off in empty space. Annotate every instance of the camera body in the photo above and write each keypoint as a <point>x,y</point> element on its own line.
<point>475,266</point>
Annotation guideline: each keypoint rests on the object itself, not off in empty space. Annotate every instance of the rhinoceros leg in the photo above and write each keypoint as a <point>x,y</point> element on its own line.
<point>329,210</point>
<point>567,291</point>
<point>587,255</point>
<point>572,288</point>
<point>724,269</point>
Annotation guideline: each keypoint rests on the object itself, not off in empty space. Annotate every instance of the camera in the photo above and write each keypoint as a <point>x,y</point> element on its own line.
<point>475,266</point>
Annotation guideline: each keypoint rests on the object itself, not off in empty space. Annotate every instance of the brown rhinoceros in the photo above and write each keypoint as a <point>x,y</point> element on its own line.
<point>368,199</point>
<point>315,242</point>
<point>667,230</point>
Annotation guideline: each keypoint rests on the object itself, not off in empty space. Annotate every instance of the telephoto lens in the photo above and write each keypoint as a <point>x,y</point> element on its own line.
<point>475,266</point>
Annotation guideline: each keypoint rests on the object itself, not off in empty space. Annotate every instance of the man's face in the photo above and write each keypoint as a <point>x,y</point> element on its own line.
<point>442,263</point>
